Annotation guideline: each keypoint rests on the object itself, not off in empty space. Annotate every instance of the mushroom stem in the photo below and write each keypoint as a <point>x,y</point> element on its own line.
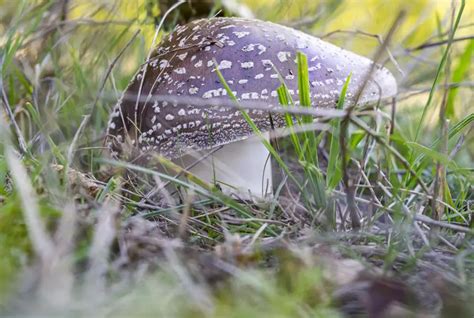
<point>242,167</point>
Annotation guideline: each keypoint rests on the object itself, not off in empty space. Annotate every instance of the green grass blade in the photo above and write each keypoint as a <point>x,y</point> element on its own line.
<point>431,154</point>
<point>254,127</point>
<point>334,173</point>
<point>198,186</point>
<point>459,74</point>
<point>422,161</point>
<point>440,69</point>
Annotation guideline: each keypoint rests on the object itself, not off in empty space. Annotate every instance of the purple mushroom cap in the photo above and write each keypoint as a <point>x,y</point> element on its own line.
<point>172,105</point>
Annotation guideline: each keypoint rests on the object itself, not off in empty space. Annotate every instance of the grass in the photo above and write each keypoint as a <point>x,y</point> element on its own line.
<point>388,211</point>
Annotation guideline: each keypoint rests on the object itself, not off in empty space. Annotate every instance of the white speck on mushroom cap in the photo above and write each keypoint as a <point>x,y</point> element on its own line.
<point>283,56</point>
<point>253,57</point>
<point>241,34</point>
<point>182,56</point>
<point>180,70</point>
<point>246,65</point>
<point>225,65</point>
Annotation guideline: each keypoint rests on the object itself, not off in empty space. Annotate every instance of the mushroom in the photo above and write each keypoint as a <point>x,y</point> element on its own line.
<point>170,105</point>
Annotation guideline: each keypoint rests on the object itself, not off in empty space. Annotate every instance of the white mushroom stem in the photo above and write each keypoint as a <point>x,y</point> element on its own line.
<point>242,167</point>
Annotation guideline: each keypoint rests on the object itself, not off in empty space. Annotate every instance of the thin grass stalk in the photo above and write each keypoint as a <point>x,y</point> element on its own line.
<point>440,68</point>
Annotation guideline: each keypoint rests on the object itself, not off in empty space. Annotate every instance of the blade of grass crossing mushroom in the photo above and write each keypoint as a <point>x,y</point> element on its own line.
<point>305,101</point>
<point>254,127</point>
<point>305,95</point>
<point>301,145</point>
<point>284,98</point>
<point>334,173</point>
<point>311,164</point>
<point>178,170</point>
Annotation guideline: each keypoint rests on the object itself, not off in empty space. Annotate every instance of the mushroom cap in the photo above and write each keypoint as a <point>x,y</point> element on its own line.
<point>157,110</point>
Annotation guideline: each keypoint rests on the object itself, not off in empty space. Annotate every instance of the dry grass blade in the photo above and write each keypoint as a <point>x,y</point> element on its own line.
<point>109,71</point>
<point>8,110</point>
<point>199,293</point>
<point>382,141</point>
<point>417,217</point>
<point>150,51</point>
<point>439,43</point>
<point>72,147</point>
<point>55,277</point>
<point>40,239</point>
<point>65,234</point>
<point>198,102</point>
<point>104,234</point>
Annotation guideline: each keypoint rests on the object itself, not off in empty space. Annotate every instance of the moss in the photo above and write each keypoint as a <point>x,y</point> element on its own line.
<point>15,246</point>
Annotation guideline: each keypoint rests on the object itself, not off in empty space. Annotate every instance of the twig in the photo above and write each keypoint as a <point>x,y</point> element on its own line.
<point>392,116</point>
<point>109,71</point>
<point>381,140</point>
<point>303,22</point>
<point>417,217</point>
<point>417,193</point>
<point>439,43</point>
<point>150,51</point>
<point>73,23</point>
